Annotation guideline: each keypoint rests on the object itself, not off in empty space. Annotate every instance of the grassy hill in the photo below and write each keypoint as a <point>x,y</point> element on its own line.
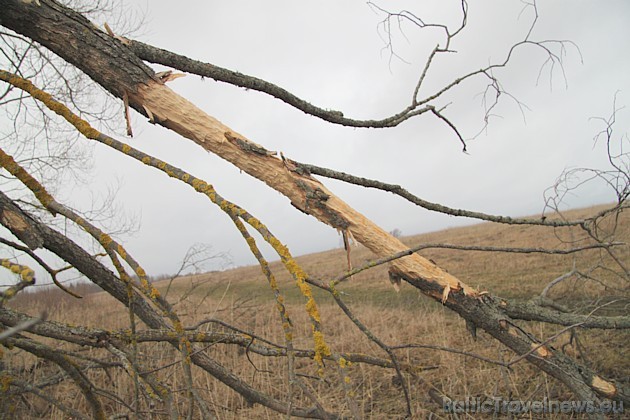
<point>502,273</point>
<point>242,298</point>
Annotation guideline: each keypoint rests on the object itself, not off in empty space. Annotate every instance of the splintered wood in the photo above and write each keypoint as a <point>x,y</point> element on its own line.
<point>305,192</point>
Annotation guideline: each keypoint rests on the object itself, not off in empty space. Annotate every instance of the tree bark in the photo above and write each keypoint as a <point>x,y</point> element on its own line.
<point>100,275</point>
<point>110,63</point>
<point>70,252</point>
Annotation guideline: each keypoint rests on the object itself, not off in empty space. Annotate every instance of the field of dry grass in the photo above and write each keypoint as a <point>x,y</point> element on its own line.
<point>242,298</point>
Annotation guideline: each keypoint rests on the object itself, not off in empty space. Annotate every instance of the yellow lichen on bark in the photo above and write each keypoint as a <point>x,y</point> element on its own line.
<point>321,348</point>
<point>105,240</point>
<point>155,293</point>
<point>188,120</point>
<point>122,252</point>
<point>26,273</point>
<point>7,162</point>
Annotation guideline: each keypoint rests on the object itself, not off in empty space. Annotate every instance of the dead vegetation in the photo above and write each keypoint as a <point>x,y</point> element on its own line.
<point>437,353</point>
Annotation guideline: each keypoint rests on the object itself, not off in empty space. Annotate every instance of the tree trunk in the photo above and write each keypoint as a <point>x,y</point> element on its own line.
<point>110,63</point>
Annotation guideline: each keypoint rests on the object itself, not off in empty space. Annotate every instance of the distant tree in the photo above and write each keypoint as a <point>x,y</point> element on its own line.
<point>396,233</point>
<point>118,66</point>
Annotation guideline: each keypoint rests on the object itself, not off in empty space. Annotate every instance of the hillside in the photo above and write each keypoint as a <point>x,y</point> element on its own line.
<point>505,274</point>
<point>437,350</point>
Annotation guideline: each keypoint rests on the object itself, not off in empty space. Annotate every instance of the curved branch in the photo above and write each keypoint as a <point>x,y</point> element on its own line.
<point>416,107</point>
<point>180,62</point>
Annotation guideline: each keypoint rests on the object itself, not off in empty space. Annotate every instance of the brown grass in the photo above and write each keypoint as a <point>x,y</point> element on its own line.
<point>242,298</point>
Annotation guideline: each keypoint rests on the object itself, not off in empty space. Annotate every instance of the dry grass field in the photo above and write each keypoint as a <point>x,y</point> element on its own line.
<point>242,298</point>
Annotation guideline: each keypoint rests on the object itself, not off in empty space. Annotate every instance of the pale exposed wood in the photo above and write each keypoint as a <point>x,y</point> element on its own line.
<point>306,193</point>
<point>110,63</point>
<point>605,387</point>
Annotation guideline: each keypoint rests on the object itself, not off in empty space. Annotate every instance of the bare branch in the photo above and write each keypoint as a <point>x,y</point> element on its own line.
<point>400,191</point>
<point>418,106</point>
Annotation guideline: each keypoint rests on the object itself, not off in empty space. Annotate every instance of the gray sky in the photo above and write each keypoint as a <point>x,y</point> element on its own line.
<point>330,53</point>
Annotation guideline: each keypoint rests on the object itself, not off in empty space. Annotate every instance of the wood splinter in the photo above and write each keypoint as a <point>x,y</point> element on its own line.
<point>149,114</point>
<point>113,35</point>
<point>127,115</point>
<point>445,293</point>
<point>347,235</point>
<point>168,76</point>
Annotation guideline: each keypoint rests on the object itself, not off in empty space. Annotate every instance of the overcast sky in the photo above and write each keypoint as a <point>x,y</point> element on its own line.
<point>331,54</point>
